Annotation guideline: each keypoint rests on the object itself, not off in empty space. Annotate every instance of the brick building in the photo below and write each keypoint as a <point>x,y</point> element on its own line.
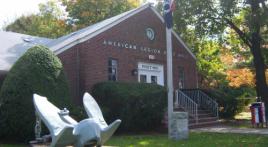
<point>127,47</point>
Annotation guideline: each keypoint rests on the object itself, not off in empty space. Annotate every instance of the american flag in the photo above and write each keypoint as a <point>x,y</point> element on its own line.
<point>169,7</point>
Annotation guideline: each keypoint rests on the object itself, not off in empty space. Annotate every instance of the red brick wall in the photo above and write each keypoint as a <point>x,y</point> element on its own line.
<point>87,63</point>
<point>71,67</point>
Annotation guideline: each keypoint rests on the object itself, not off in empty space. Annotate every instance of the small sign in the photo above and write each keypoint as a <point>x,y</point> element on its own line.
<point>149,67</point>
<point>151,57</point>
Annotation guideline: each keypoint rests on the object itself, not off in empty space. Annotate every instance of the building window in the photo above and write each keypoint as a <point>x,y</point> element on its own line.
<point>143,79</point>
<point>181,77</point>
<point>154,79</point>
<point>112,70</point>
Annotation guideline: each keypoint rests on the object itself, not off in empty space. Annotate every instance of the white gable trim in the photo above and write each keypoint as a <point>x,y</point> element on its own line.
<point>174,33</point>
<point>66,44</point>
<point>183,44</point>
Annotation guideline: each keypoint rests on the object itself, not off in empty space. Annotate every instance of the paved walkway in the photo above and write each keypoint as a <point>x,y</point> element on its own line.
<point>228,129</point>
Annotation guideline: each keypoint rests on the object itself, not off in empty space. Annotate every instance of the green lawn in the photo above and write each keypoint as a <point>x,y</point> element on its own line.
<point>195,140</point>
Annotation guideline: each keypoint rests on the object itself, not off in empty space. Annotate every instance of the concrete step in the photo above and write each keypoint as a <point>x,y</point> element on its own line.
<point>199,110</point>
<point>178,109</point>
<point>205,118</point>
<point>205,115</point>
<point>204,124</point>
<point>198,125</point>
<point>203,111</point>
<point>201,120</point>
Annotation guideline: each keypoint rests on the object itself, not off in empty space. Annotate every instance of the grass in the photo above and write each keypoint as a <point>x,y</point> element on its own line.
<point>195,140</point>
<point>243,120</point>
<point>238,123</point>
<point>244,115</point>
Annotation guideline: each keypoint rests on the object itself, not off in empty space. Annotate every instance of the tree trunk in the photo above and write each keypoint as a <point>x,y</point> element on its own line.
<point>261,86</point>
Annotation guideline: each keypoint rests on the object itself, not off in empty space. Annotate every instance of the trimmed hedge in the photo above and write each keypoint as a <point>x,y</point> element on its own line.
<point>37,71</point>
<point>140,106</point>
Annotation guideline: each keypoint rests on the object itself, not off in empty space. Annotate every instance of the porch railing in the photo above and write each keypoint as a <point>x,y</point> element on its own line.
<point>188,105</point>
<point>203,100</point>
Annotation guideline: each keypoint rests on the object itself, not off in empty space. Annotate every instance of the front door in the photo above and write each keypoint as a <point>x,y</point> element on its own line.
<point>151,73</point>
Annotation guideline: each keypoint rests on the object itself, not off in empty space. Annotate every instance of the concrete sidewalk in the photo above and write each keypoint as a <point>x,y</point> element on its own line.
<point>228,129</point>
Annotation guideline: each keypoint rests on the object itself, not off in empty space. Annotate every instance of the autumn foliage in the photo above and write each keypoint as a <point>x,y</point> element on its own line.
<point>240,77</point>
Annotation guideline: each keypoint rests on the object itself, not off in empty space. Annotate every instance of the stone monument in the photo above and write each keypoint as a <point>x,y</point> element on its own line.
<point>179,126</point>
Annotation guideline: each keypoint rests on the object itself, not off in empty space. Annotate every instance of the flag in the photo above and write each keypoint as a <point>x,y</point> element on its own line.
<point>169,7</point>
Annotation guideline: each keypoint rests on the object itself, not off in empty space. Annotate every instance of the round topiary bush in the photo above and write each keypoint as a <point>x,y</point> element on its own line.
<point>37,71</point>
<point>140,106</point>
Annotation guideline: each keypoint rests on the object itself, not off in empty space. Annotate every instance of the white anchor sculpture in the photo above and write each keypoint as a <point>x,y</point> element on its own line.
<point>65,131</point>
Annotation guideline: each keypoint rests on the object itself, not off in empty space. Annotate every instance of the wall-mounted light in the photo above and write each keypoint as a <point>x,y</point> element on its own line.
<point>134,72</point>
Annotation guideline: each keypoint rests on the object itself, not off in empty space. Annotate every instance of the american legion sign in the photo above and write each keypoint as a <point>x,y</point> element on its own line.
<point>128,47</point>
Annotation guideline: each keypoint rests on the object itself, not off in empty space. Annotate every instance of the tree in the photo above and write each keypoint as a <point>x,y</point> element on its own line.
<point>210,18</point>
<point>207,51</point>
<point>254,42</point>
<point>240,77</point>
<point>83,13</point>
<point>209,63</point>
<point>237,56</point>
<point>49,22</point>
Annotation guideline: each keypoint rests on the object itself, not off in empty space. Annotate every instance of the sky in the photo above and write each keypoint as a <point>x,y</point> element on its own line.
<point>12,9</point>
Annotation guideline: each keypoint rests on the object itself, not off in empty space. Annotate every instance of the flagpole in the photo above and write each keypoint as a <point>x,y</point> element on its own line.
<point>168,8</point>
<point>169,78</point>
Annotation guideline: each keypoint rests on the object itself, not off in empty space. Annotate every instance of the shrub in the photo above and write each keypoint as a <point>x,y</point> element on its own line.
<point>232,100</point>
<point>78,113</point>
<point>140,106</point>
<point>37,71</point>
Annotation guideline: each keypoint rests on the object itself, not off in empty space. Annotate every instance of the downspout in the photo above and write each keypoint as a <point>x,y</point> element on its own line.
<point>78,76</point>
<point>196,74</point>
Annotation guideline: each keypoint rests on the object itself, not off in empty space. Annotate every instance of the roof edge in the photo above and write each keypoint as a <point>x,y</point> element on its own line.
<point>59,48</point>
